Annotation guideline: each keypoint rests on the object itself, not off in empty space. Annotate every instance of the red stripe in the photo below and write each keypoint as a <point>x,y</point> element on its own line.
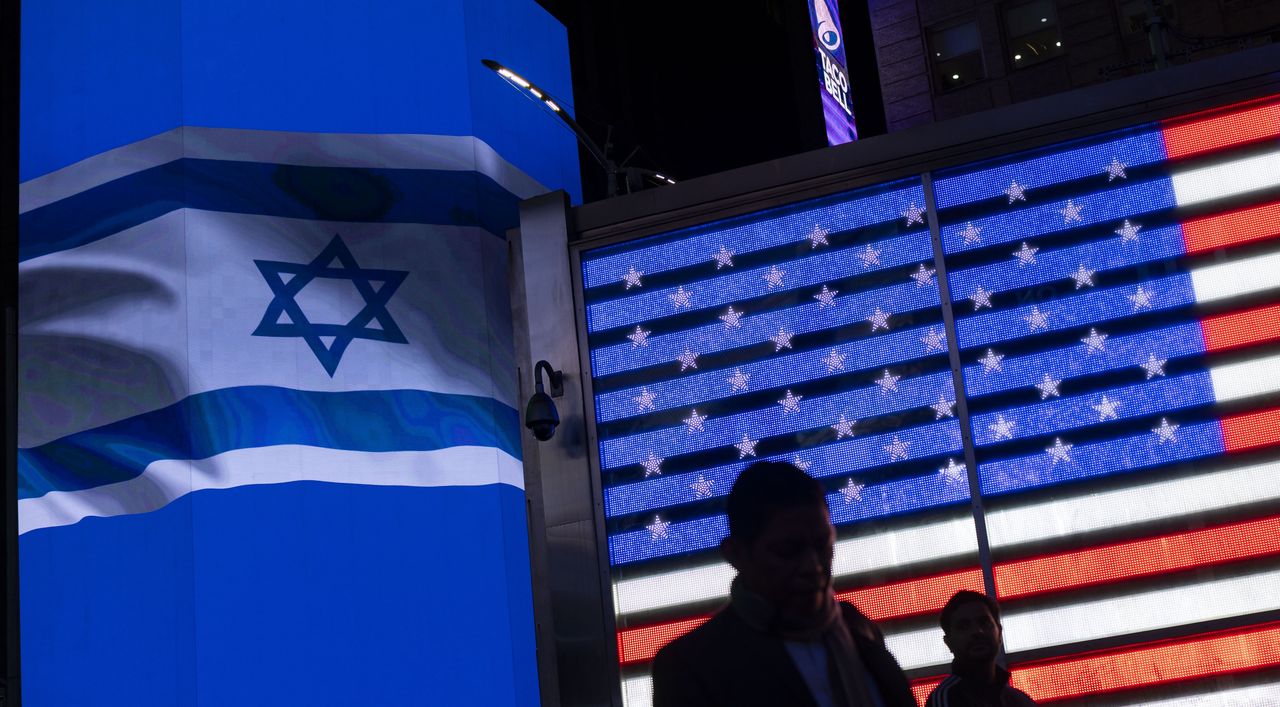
<point>1023,578</point>
<point>896,600</point>
<point>1139,558</point>
<point>1251,430</point>
<point>1183,137</point>
<point>1230,331</point>
<point>1147,665</point>
<point>1255,223</point>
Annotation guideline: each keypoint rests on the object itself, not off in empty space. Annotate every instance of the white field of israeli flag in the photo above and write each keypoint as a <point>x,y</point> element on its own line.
<point>258,444</point>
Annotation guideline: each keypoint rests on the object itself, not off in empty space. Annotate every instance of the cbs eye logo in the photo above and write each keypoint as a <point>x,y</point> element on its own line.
<point>827,32</point>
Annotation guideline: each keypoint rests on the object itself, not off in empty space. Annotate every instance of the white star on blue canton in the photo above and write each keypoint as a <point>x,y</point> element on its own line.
<point>801,464</point>
<point>738,381</point>
<point>827,297</point>
<point>852,491</point>
<point>1165,432</point>
<point>869,257</point>
<point>1128,232</point>
<point>1026,255</point>
<point>1037,319</point>
<point>723,257</point>
<point>834,361</point>
<point>1095,341</point>
<point>914,214</point>
<point>879,319</point>
<point>632,277</point>
<point>747,447</point>
<point>1153,366</point>
<point>1059,452</point>
<point>818,236</point>
<point>981,298</point>
<point>1116,169</point>
<point>1083,277</point>
<point>645,400</point>
<point>781,340</point>
<point>1106,409</point>
<point>639,337</point>
<point>943,408</point>
<point>1002,428</point>
<point>774,277</point>
<point>1048,387</point>
<point>701,487</point>
<point>924,276</point>
<point>688,359</point>
<point>694,422</point>
<point>658,529</point>
<point>934,341</point>
<point>652,465</point>
<point>731,319</point>
<point>1071,212</point>
<point>844,427</point>
<point>790,403</point>
<point>952,473</point>
<point>888,383</point>
<point>681,297</point>
<point>991,361</point>
<point>1016,192</point>
<point>971,234</point>
<point>1141,299</point>
<point>897,449</point>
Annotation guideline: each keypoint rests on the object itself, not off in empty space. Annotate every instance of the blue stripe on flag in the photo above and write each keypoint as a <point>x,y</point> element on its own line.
<point>1056,166</point>
<point>763,230</point>
<point>1059,414</point>
<point>808,273</point>
<point>1075,312</point>
<point>206,424</point>
<point>444,197</point>
<point>1100,459</point>
<point>1104,206</point>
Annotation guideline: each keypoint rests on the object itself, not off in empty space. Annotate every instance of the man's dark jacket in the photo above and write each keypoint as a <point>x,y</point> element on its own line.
<point>963,690</point>
<point>725,663</point>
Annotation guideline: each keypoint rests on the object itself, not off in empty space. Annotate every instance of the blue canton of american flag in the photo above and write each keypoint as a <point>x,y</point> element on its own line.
<point>811,334</point>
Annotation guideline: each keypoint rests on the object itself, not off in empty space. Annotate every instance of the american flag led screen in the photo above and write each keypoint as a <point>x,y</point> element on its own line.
<point>1117,322</point>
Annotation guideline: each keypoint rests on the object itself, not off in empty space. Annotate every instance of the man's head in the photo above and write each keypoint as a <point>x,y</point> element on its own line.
<point>780,537</point>
<point>971,627</point>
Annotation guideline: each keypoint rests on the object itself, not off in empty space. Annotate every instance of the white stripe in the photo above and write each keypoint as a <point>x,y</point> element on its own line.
<point>1075,515</point>
<point>1246,379</point>
<point>101,168</point>
<point>637,692</point>
<point>1227,179</point>
<point>1142,611</point>
<point>167,309</point>
<point>1234,279</point>
<point>1103,618</point>
<point>896,548</point>
<point>170,479</point>
<point>1261,695</point>
<point>397,151</point>
<point>1103,510</point>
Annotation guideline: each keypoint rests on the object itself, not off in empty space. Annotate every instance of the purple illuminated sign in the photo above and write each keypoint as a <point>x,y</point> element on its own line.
<point>828,44</point>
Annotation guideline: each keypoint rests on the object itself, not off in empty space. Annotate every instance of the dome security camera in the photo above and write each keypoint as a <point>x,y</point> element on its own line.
<point>540,415</point>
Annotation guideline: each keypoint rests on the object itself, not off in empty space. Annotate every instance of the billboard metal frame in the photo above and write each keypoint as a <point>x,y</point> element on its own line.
<point>917,152</point>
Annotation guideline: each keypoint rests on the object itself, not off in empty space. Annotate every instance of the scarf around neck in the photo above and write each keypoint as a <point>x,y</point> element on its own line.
<point>827,626</point>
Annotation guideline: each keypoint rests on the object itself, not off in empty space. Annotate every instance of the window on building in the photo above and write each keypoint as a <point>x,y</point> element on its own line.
<point>1032,32</point>
<point>955,52</point>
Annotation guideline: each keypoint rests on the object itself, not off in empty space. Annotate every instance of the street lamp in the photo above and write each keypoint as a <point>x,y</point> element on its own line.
<point>611,168</point>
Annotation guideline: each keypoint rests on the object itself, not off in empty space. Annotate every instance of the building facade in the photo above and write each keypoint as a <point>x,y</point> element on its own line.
<point>941,59</point>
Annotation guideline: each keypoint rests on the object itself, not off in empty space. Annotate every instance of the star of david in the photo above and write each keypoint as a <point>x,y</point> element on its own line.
<point>286,280</point>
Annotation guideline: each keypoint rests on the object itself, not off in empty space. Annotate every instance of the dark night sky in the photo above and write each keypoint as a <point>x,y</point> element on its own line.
<point>700,91</point>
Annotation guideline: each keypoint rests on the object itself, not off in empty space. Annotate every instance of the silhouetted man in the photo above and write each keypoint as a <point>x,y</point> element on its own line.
<point>783,640</point>
<point>971,629</point>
